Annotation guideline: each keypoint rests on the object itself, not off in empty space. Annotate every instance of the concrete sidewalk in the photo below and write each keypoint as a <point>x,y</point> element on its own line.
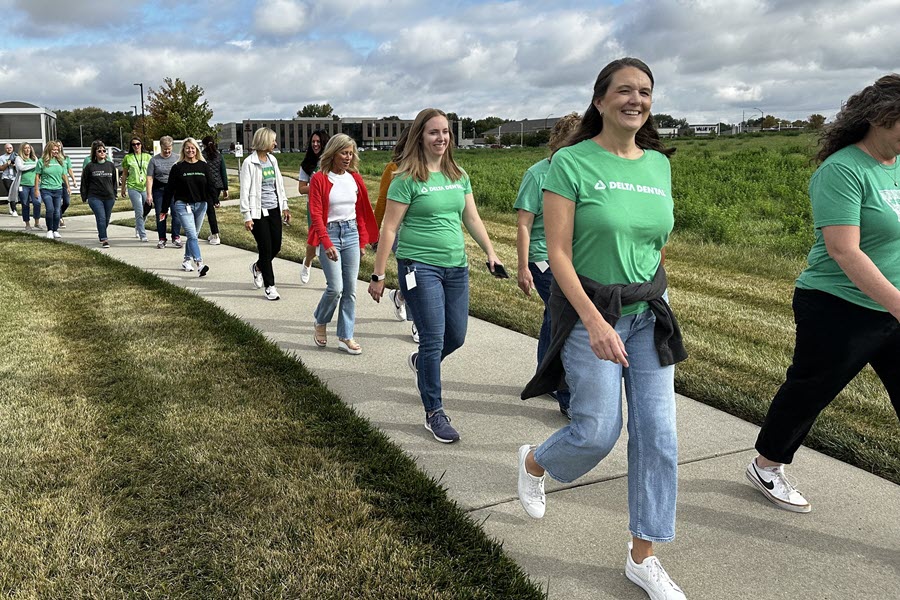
<point>731,542</point>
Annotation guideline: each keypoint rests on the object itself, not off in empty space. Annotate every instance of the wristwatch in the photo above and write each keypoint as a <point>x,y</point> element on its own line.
<point>376,278</point>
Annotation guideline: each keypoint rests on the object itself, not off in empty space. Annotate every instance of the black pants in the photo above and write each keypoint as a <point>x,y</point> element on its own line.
<point>835,340</point>
<point>267,232</point>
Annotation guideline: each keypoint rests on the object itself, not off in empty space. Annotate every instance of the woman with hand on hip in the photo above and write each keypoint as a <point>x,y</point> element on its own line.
<point>608,213</point>
<point>429,201</point>
<point>308,167</point>
<point>847,301</point>
<point>263,203</point>
<point>342,224</point>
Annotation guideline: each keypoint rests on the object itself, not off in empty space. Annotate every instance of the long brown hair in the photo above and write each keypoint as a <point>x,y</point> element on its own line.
<point>877,104</point>
<point>647,138</point>
<point>412,162</point>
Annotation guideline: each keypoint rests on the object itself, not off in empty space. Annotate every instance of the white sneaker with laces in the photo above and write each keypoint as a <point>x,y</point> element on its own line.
<point>399,304</point>
<point>272,293</point>
<point>56,235</point>
<point>531,488</point>
<point>201,268</point>
<point>415,333</point>
<point>257,276</point>
<point>304,273</point>
<point>49,235</point>
<point>214,239</point>
<point>187,265</point>
<point>13,213</point>
<point>776,488</point>
<point>650,576</point>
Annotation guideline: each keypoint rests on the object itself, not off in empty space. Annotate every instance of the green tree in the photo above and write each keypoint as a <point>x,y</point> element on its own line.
<point>486,123</point>
<point>668,121</point>
<point>91,123</point>
<point>769,122</point>
<point>816,121</point>
<point>490,139</point>
<point>316,110</point>
<point>509,139</point>
<point>176,109</point>
<point>469,127</point>
<point>537,138</point>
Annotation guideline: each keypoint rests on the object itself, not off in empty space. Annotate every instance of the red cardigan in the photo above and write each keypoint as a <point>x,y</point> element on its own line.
<point>319,193</point>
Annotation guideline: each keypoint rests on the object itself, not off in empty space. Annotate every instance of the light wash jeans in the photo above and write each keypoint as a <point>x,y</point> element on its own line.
<point>52,207</point>
<point>138,198</point>
<point>596,410</point>
<point>190,215</point>
<point>102,213</point>
<point>340,278</point>
<point>440,307</point>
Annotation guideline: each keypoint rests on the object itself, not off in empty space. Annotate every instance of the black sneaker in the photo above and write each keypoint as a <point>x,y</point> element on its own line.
<point>439,426</point>
<point>411,363</point>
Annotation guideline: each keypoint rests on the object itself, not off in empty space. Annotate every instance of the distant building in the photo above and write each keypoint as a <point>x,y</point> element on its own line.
<point>228,134</point>
<point>293,135</point>
<point>520,127</point>
<point>667,132</point>
<point>22,122</point>
<point>705,129</point>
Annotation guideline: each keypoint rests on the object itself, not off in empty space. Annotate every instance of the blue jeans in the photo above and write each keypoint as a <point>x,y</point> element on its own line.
<point>440,308</point>
<point>52,207</point>
<point>27,199</point>
<point>65,201</point>
<point>138,198</point>
<point>102,213</point>
<point>596,411</point>
<point>158,192</point>
<point>542,283</point>
<point>190,215</point>
<point>340,278</point>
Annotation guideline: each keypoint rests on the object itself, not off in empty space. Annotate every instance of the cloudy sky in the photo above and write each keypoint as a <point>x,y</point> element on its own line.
<point>712,59</point>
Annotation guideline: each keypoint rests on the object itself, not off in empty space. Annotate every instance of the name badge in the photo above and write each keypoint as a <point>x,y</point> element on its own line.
<point>411,280</point>
<point>542,266</point>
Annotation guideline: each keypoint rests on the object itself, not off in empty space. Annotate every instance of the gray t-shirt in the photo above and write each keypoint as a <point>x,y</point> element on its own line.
<point>158,168</point>
<point>269,197</point>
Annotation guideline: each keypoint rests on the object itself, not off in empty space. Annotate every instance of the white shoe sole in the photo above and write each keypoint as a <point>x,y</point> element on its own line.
<point>520,465</point>
<point>776,501</point>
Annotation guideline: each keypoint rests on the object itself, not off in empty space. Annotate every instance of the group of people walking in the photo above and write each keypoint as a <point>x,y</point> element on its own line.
<point>593,222</point>
<point>30,181</point>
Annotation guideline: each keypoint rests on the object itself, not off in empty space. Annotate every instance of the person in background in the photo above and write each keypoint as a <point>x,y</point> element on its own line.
<point>534,271</point>
<point>401,311</point>
<point>342,224</point>
<point>157,177</point>
<point>70,182</point>
<point>611,318</point>
<point>310,165</point>
<point>134,183</point>
<point>431,196</point>
<point>7,176</point>
<point>49,181</point>
<point>99,188</point>
<point>263,203</point>
<point>189,191</point>
<point>847,301</point>
<point>23,185</point>
<point>216,163</point>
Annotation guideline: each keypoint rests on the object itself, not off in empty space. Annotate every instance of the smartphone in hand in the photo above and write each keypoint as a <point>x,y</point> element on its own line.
<point>499,271</point>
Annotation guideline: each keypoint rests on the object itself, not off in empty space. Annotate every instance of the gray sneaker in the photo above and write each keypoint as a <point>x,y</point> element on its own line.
<point>439,426</point>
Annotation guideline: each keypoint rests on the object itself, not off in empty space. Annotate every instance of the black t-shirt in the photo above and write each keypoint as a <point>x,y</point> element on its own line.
<point>189,182</point>
<point>98,180</point>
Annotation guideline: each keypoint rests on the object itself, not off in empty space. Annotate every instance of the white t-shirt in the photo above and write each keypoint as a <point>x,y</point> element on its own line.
<point>342,200</point>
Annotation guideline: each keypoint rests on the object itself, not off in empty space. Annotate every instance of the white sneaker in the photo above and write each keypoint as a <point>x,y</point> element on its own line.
<point>201,268</point>
<point>304,273</point>
<point>187,265</point>
<point>399,305</point>
<point>272,293</point>
<point>776,488</point>
<point>415,333</point>
<point>137,234</point>
<point>49,235</point>
<point>13,213</point>
<point>652,578</point>
<point>62,223</point>
<point>531,488</point>
<point>56,235</point>
<point>144,239</point>
<point>257,276</point>
<point>214,239</point>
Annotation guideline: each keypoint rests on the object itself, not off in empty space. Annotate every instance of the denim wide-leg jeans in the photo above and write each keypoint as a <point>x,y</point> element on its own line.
<point>190,215</point>
<point>340,278</point>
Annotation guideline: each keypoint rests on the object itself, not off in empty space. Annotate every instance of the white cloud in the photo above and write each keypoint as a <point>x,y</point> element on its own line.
<point>242,44</point>
<point>280,17</point>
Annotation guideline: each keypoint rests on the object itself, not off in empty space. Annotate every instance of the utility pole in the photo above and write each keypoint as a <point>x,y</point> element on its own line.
<point>143,117</point>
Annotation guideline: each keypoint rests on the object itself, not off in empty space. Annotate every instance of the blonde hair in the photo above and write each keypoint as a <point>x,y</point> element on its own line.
<point>413,164</point>
<point>562,129</point>
<point>22,147</point>
<point>194,143</point>
<point>61,151</point>
<point>263,139</point>
<point>335,144</point>
<point>48,149</point>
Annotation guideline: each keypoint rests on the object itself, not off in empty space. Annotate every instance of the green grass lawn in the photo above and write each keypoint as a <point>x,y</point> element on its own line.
<point>156,447</point>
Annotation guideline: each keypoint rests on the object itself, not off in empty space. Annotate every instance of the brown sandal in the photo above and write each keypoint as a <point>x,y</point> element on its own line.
<point>319,336</point>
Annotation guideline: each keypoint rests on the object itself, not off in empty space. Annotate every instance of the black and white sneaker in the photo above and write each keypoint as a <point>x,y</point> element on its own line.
<point>776,488</point>
<point>257,276</point>
<point>411,363</point>
<point>272,293</point>
<point>202,269</point>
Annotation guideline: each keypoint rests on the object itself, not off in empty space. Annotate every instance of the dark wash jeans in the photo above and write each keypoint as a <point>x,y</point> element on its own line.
<point>835,340</point>
<point>159,191</point>
<point>440,305</point>
<point>542,283</point>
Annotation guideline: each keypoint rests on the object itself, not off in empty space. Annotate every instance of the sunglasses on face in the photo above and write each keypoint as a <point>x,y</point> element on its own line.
<point>135,143</point>
<point>101,149</point>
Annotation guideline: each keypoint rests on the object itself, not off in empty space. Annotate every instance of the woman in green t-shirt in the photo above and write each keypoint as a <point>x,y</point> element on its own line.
<point>847,301</point>
<point>608,213</point>
<point>26,163</point>
<point>49,180</point>
<point>429,201</point>
<point>134,185</point>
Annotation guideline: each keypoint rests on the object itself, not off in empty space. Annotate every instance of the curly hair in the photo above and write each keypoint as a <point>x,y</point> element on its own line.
<point>647,137</point>
<point>562,129</point>
<point>877,104</point>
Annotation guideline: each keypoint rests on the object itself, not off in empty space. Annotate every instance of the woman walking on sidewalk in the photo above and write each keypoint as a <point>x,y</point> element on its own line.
<point>342,224</point>
<point>190,185</point>
<point>134,184</point>
<point>216,163</point>
<point>158,170</point>
<point>432,197</point>
<point>847,301</point>
<point>308,167</point>
<point>23,185</point>
<point>49,180</point>
<point>99,187</point>
<point>70,177</point>
<point>263,203</point>
<point>608,213</point>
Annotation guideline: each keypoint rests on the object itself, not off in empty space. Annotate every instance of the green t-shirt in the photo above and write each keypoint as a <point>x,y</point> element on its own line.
<point>431,231</point>
<point>531,199</point>
<point>52,174</point>
<point>852,188</point>
<point>87,159</point>
<point>137,170</point>
<point>623,212</point>
<point>28,176</point>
